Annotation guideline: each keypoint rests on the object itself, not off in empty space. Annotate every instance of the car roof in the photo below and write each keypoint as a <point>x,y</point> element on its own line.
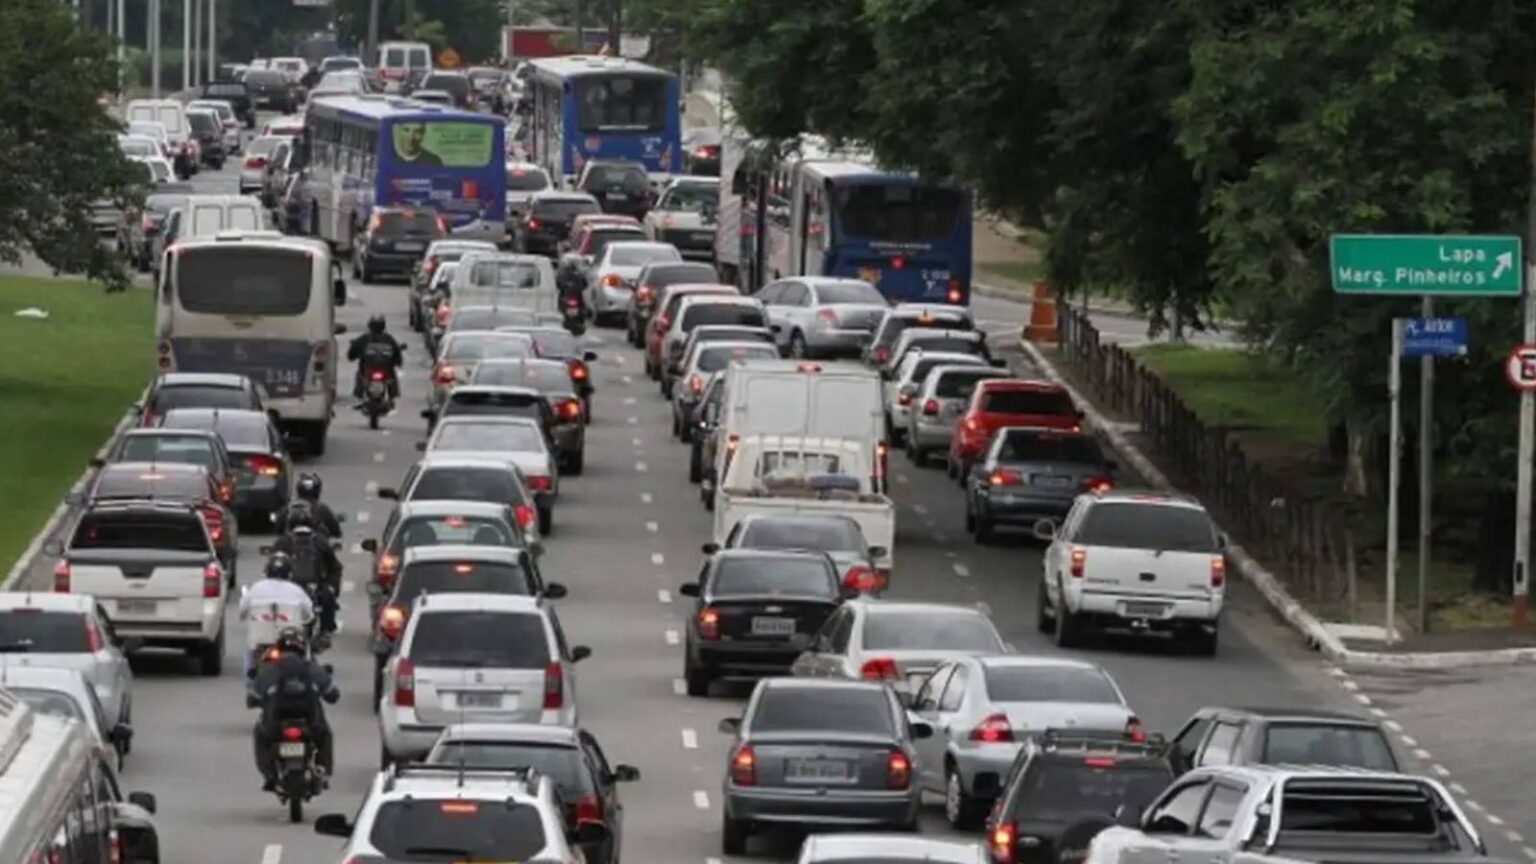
<point>1022,385</point>
<point>464,552</point>
<point>505,389</point>
<point>1291,714</point>
<point>511,604</point>
<point>884,847</point>
<point>1153,497</point>
<point>47,601</point>
<point>202,379</point>
<point>459,459</point>
<point>540,733</point>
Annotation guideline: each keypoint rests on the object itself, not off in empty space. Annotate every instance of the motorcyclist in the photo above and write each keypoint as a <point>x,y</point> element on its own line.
<point>308,488</point>
<point>289,688</point>
<point>271,605</point>
<point>385,354</point>
<point>571,282</point>
<point>316,567</point>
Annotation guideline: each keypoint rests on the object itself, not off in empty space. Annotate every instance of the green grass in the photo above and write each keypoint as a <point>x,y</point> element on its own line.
<point>1022,272</point>
<point>64,384</point>
<point>1243,390</point>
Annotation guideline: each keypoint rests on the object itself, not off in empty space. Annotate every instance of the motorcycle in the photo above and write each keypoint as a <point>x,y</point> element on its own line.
<point>574,317</point>
<point>376,401</point>
<point>297,769</point>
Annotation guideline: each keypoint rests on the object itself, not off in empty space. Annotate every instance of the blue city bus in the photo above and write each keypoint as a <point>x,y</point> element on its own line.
<point>587,107</point>
<point>368,151</point>
<point>842,217</point>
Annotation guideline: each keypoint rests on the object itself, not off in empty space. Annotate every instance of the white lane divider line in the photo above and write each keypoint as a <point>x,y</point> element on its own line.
<point>633,421</point>
<point>1363,699</point>
<point>1393,726</point>
<point>961,569</point>
<point>1440,769</point>
<point>1349,684</point>
<point>1408,740</point>
<point>273,854</point>
<point>626,379</point>
<point>347,586</point>
<point>357,548</point>
<point>1378,713</point>
<point>629,400</point>
<point>637,442</point>
<point>363,516</point>
<point>1514,836</point>
<point>940,537</point>
<point>1473,805</point>
<point>672,637</point>
<point>642,467</point>
<point>1529,853</point>
<point>379,456</point>
<point>690,739</point>
<point>717,860</point>
<point>371,488</point>
<point>701,799</point>
<point>658,559</point>
<point>1457,788</point>
<point>652,527</point>
<point>984,608</point>
<point>664,595</point>
<point>679,687</point>
<point>617,357</point>
<point>919,509</point>
<point>902,478</point>
<point>1492,819</point>
<point>1421,753</point>
<point>645,498</point>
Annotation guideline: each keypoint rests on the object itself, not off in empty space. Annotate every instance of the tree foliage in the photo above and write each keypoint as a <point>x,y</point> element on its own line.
<point>58,150</point>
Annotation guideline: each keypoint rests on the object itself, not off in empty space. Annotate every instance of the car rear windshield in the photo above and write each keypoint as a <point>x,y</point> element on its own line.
<point>483,346</point>
<point>168,448</point>
<point>564,210</point>
<point>244,281</point>
<point>635,256</point>
<point>247,432</point>
<point>506,274</point>
<point>199,396</point>
<point>722,313</point>
<point>149,483</point>
<point>689,197</point>
<point>850,292</point>
<point>526,179</point>
<point>458,85</point>
<point>42,632</point>
<point>555,343</point>
<point>415,222</point>
<point>680,274</point>
<point>51,702</point>
<point>604,177</point>
<point>453,531</point>
<point>921,368</point>
<point>715,359</point>
<point>562,764</point>
<point>960,385</point>
<point>170,532</point>
<point>1049,684</point>
<point>490,319</point>
<point>201,122</point>
<point>265,77</point>
<point>830,535</point>
<point>488,437</point>
<point>1347,808</point>
<point>1029,402</point>
<point>823,709</point>
<point>930,630</point>
<point>617,101</point>
<point>900,324</point>
<point>1021,446</point>
<point>774,576</point>
<point>1328,744</point>
<point>1064,789</point>
<point>1134,525</point>
<point>456,829</point>
<point>495,639</point>
<point>495,485</point>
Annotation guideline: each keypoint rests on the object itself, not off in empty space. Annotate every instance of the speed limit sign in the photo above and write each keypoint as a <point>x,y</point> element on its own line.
<point>1520,368</point>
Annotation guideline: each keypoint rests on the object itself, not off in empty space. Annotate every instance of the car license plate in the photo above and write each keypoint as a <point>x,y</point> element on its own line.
<point>762,626</point>
<point>290,750</point>
<point>479,700</point>
<point>617,196</point>
<point>817,771</point>
<point>703,236</point>
<point>136,607</point>
<point>1052,482</point>
<point>410,246</point>
<point>1143,610</point>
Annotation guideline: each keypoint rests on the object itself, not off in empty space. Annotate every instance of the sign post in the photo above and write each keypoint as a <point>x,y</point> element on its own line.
<point>1394,471</point>
<point>1520,369</point>
<point>1427,338</point>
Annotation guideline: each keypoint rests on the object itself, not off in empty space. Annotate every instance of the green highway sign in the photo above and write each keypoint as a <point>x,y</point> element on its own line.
<point>1421,264</point>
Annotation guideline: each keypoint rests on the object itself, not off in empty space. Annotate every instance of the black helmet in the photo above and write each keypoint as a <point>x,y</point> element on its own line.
<point>309,486</point>
<point>279,566</point>
<point>291,640</point>
<point>376,325</point>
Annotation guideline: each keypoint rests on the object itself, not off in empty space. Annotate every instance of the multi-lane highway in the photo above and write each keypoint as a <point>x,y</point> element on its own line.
<point>627,534</point>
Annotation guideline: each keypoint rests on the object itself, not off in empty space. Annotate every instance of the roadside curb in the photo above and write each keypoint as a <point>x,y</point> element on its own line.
<point>56,520</point>
<point>1294,613</point>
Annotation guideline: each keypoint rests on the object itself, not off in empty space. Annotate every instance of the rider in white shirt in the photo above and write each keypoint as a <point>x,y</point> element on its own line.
<point>271,605</point>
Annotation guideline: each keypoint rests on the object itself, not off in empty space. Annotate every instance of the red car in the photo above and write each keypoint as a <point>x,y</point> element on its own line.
<point>1007,402</point>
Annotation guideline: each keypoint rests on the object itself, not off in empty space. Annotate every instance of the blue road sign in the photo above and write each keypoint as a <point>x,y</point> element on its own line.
<point>1434,337</point>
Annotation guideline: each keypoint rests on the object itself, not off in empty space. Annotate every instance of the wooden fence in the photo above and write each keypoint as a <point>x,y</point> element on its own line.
<point>1301,541</point>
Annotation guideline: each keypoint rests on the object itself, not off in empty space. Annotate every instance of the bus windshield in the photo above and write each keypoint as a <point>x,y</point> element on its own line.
<point>621,102</point>
<point>897,212</point>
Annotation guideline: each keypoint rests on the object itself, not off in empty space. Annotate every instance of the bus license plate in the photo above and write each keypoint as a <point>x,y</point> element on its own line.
<point>290,750</point>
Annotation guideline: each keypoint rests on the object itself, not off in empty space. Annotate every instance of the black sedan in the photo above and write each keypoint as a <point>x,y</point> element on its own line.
<point>820,752</point>
<point>1029,474</point>
<point>263,486</point>
<point>395,242</point>
<point>756,610</point>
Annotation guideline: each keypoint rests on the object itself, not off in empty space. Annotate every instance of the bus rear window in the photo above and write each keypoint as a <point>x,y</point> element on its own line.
<point>621,103</point>
<point>235,280</point>
<point>897,213</point>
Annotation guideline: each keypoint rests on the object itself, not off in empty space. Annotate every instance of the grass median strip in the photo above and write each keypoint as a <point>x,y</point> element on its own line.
<point>65,381</point>
<point>1238,389</point>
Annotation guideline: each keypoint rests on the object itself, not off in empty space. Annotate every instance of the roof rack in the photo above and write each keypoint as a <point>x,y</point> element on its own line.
<point>529,776</point>
<point>1099,740</point>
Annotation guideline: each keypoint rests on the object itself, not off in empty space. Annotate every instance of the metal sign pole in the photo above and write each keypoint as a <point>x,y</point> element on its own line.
<point>1394,478</point>
<point>1518,608</point>
<point>1426,467</point>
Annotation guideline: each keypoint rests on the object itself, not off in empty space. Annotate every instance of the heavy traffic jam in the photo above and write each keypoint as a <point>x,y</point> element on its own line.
<point>549,487</point>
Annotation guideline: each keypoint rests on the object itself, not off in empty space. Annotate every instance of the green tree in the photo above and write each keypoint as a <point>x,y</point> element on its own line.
<point>58,151</point>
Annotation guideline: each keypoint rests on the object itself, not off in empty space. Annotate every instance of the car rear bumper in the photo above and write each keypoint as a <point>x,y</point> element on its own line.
<point>607,299</point>
<point>392,262</point>
<point>985,762</point>
<point>823,806</point>
<point>175,631</point>
<point>1125,608</point>
<point>849,342</point>
<point>404,738</point>
<point>698,241</point>
<point>747,659</point>
<point>1020,508</point>
<point>265,494</point>
<point>931,434</point>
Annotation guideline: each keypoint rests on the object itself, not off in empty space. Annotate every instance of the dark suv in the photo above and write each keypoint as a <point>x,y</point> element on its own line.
<point>236,94</point>
<point>209,133</point>
<point>1065,786</point>
<point>620,187</point>
<point>548,219</point>
<point>270,88</point>
<point>1277,736</point>
<point>395,241</point>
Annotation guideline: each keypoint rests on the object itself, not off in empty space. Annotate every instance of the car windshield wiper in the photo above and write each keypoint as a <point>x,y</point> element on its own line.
<point>453,852</point>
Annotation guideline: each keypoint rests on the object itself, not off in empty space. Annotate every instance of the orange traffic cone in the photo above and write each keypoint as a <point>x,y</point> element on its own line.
<point>1042,315</point>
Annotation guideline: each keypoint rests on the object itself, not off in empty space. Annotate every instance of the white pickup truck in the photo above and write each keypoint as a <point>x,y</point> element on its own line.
<point>803,476</point>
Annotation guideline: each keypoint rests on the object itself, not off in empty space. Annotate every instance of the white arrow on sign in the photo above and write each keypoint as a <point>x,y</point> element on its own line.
<point>1503,263</point>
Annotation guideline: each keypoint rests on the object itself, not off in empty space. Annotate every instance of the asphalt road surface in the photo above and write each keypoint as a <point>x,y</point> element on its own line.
<point>627,533</point>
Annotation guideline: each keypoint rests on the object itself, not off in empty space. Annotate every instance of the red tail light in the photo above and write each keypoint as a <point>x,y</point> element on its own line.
<point>540,483</point>
<point>533,224</point>
<point>882,463</point>
<point>931,408</point>
<point>828,316</point>
<point>526,516</point>
<point>264,466</point>
<point>442,224</point>
<point>696,384</point>
<point>1079,561</point>
<point>644,293</point>
<point>1005,477</point>
<point>213,580</point>
<point>115,848</point>
<point>293,733</point>
<point>863,579</point>
<point>391,621</point>
<point>1098,484</point>
<point>898,770</point>
<point>1134,730</point>
<point>1218,571</point>
<point>579,371</point>
<point>444,374</point>
<point>882,354</point>
<point>904,398</point>
<point>1000,842</point>
<point>405,683</point>
<point>93,638</point>
<point>227,490</point>
<point>444,312</point>
<point>612,281</point>
<point>554,686</point>
<point>150,417</point>
<point>255,161</point>
<point>429,266</point>
<point>898,263</point>
<point>993,730</point>
<point>385,569</point>
<point>570,409</point>
<point>376,375</point>
<point>589,808</point>
<point>61,574</point>
<point>879,669</point>
<point>214,516</point>
<point>744,766</point>
<point>954,295</point>
<point>709,623</point>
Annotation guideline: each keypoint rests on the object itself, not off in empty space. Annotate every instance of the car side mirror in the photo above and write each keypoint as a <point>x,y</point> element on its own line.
<point>580,653</point>
<point>143,800</point>
<point>730,725</point>
<point>389,494</point>
<point>121,734</point>
<point>339,293</point>
<point>1045,530</point>
<point>97,462</point>
<point>689,589</point>
<point>921,730</point>
<point>625,773</point>
<point>710,548</point>
<point>878,551</point>
<point>1128,816</point>
<point>555,591</point>
<point>589,356</point>
<point>333,825</point>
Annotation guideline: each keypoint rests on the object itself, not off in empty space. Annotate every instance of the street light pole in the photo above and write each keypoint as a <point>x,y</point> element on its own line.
<point>156,24</point>
<point>186,44</point>
<point>1518,606</point>
<point>213,34</point>
<point>372,48</point>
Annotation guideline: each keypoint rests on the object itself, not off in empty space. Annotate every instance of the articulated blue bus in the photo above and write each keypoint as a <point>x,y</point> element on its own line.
<point>841,217</point>
<point>603,108</point>
<point>379,151</point>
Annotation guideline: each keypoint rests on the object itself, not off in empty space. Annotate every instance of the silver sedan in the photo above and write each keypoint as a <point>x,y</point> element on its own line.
<point>898,643</point>
<point>814,316</point>
<point>68,631</point>
<point>517,440</point>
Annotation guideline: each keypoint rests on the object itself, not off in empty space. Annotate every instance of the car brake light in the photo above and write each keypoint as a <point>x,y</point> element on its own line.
<point>533,224</point>
<point>1218,571</point>
<point>444,312</point>
<point>61,574</point>
<point>882,462</point>
<point>93,639</point>
<point>954,295</point>
<point>612,281</point>
<point>115,847</point>
<point>570,409</point>
<point>266,466</point>
<point>1134,730</point>
<point>405,683</point>
<point>882,354</point>
<point>879,669</point>
<point>444,374</point>
<point>1098,485</point>
<point>376,375</point>
<point>744,766</point>
<point>554,686</point>
<point>1000,842</point>
<point>828,315</point>
<point>526,517</point>
<point>213,580</point>
<point>930,408</point>
<point>905,398</point>
<point>215,519</point>
<point>863,579</point>
<point>709,623</point>
<point>256,162</point>
<point>579,371</point>
<point>644,293</point>
<point>391,621</point>
<point>385,570</point>
<point>442,224</point>
<point>898,263</point>
<point>696,384</point>
<point>1079,559</point>
<point>808,368</point>
<point>589,808</point>
<point>993,730</point>
<point>1005,477</point>
<point>540,483</point>
<point>898,770</point>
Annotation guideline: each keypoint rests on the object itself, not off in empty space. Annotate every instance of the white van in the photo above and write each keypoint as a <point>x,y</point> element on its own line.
<point>261,305</point>
<point>211,215</point>
<point>403,64</point>
<point>788,397</point>
<point>167,112</point>
<point>505,279</point>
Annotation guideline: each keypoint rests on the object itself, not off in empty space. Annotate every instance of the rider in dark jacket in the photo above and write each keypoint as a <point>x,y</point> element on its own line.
<point>316,566</point>
<point>308,488</point>
<point>386,356</point>
<point>289,688</point>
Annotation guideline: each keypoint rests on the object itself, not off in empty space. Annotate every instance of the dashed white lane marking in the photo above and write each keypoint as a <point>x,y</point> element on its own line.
<point>658,559</point>
<point>273,854</point>
<point>679,686</point>
<point>626,379</point>
<point>902,478</point>
<point>1492,819</point>
<point>919,509</point>
<point>363,517</point>
<point>1529,853</point>
<point>1362,699</point>
<point>385,432</point>
<point>690,739</point>
<point>1393,726</point>
<point>1377,712</point>
<point>1337,672</point>
<point>1421,753</point>
<point>1408,740</point>
<point>618,358</point>
<point>1473,805</point>
<point>357,548</point>
<point>701,799</point>
<point>633,421</point>
<point>379,456</point>
<point>1440,769</point>
<point>940,537</point>
<point>1349,684</point>
<point>1514,836</point>
<point>672,637</point>
<point>642,467</point>
<point>371,488</point>
<point>652,527</point>
<point>629,400</point>
<point>645,498</point>
<point>1457,788</point>
<point>347,586</point>
<point>961,569</point>
<point>717,860</point>
<point>664,595</point>
<point>637,442</point>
